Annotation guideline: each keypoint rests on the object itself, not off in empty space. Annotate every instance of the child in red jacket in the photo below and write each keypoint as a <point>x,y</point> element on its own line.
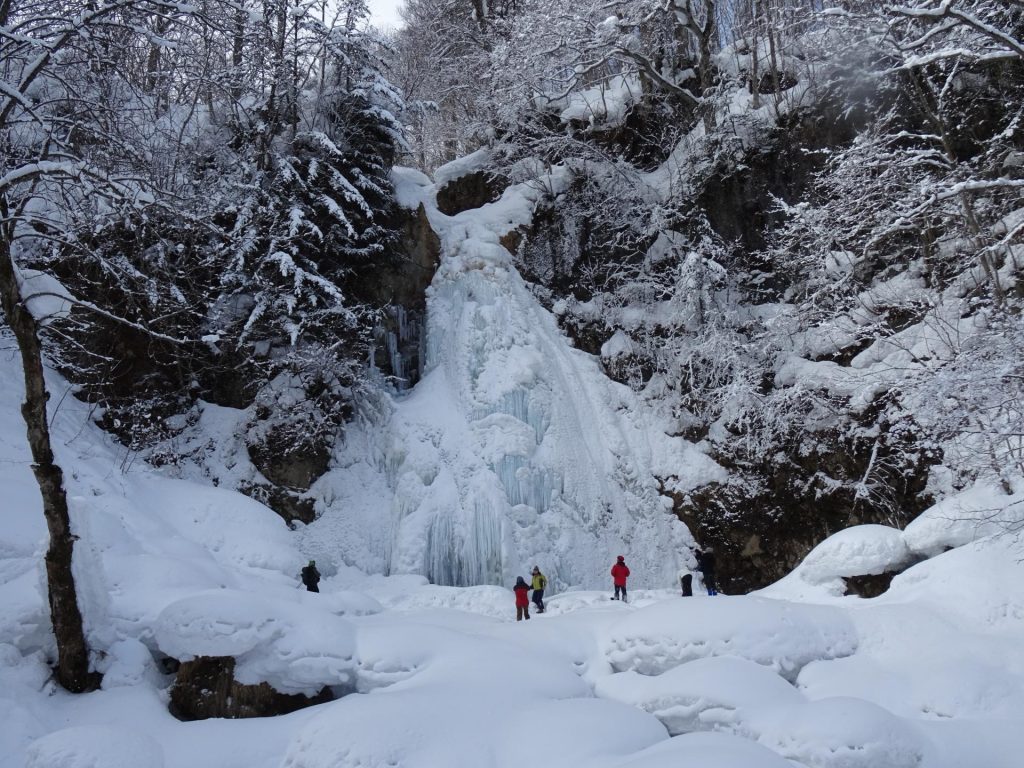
<point>522,590</point>
<point>619,575</point>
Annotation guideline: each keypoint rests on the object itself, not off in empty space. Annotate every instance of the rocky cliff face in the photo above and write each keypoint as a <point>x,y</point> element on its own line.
<point>402,293</point>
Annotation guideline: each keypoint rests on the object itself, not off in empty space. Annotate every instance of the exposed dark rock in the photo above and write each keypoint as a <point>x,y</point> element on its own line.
<point>630,369</point>
<point>770,83</point>
<point>290,473</point>
<point>290,504</point>
<point>419,253</point>
<point>765,520</point>
<point>738,200</point>
<point>470,191</point>
<point>644,136</point>
<point>402,292</point>
<point>206,687</point>
<point>511,241</point>
<point>297,469</point>
<point>869,586</point>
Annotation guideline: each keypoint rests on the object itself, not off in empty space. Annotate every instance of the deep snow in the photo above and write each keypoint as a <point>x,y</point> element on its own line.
<point>929,675</point>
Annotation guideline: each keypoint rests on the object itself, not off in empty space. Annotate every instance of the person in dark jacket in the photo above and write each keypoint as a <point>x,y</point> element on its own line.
<point>539,582</point>
<point>311,577</point>
<point>620,572</point>
<point>522,590</point>
<point>706,565</point>
<point>686,581</point>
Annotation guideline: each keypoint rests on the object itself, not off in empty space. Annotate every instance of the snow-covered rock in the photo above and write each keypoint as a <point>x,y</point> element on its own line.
<point>462,166</point>
<point>127,662</point>
<point>861,550</point>
<point>294,648</point>
<point>982,510</point>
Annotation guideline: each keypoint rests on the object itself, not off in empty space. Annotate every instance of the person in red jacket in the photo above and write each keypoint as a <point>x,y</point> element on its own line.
<point>522,590</point>
<point>619,575</point>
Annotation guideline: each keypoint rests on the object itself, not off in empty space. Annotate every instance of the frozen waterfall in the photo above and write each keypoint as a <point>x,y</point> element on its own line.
<point>514,448</point>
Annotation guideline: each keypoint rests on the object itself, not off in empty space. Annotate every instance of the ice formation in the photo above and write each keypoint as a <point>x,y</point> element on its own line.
<point>513,448</point>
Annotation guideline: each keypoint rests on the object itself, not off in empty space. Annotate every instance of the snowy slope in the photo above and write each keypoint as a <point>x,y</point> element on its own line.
<point>514,448</point>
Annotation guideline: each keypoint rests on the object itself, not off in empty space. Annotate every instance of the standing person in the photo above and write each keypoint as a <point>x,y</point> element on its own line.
<point>686,581</point>
<point>619,575</point>
<point>522,590</point>
<point>311,577</point>
<point>706,565</point>
<point>539,582</point>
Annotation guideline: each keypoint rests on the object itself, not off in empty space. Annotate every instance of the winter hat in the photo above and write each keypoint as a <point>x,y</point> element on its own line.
<point>536,569</point>
<point>622,558</point>
<point>312,562</point>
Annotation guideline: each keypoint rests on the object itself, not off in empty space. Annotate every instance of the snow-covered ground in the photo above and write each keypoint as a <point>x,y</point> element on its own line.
<point>929,675</point>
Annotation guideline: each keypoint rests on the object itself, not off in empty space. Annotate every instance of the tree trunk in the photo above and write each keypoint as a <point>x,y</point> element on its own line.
<point>72,653</point>
<point>480,13</point>
<point>237,48</point>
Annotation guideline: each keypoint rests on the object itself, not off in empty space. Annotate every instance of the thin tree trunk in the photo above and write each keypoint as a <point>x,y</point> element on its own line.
<point>755,79</point>
<point>72,653</point>
<point>480,13</point>
<point>935,118</point>
<point>237,47</point>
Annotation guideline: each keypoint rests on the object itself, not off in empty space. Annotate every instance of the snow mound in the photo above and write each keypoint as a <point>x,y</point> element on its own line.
<point>45,296</point>
<point>344,602</point>
<point>618,345</point>
<point>467,697</point>
<point>612,731</point>
<point>783,636</point>
<point>295,648</point>
<point>607,102</point>
<point>841,733</point>
<point>412,187</point>
<point>417,650</point>
<point>707,750</point>
<point>978,585</point>
<point>129,662</point>
<point>982,510</point>
<point>861,550</point>
<point>941,685</point>
<point>714,693</point>
<point>236,530</point>
<point>95,746</point>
